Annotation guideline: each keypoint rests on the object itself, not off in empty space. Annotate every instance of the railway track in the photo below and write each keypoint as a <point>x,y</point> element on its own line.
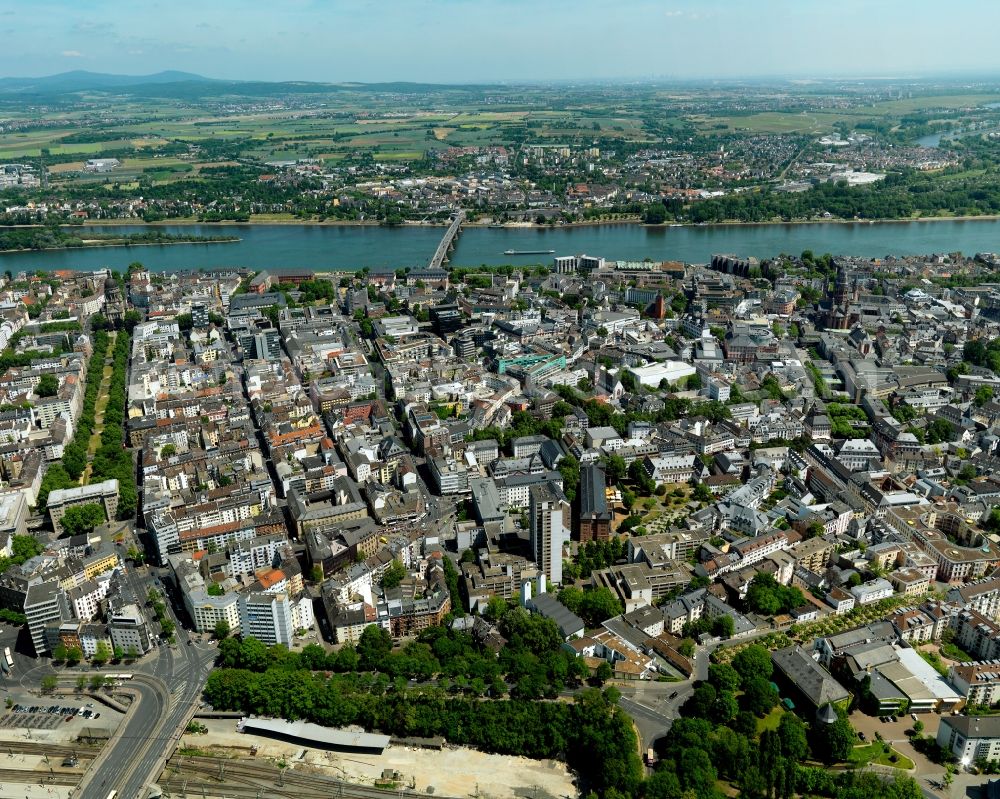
<point>13,775</point>
<point>241,779</point>
<point>52,750</point>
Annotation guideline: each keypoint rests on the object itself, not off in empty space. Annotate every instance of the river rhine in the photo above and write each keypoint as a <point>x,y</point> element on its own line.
<point>319,248</point>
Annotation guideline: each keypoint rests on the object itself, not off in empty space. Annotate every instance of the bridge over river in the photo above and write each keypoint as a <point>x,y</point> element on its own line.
<point>447,243</point>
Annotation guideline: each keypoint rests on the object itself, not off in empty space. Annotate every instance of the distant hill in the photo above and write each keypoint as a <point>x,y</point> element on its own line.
<point>80,80</point>
<point>187,85</point>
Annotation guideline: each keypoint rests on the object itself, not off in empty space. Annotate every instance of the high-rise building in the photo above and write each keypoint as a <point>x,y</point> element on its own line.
<point>267,617</point>
<point>267,344</point>
<point>199,314</point>
<point>45,605</point>
<point>463,346</point>
<point>548,508</point>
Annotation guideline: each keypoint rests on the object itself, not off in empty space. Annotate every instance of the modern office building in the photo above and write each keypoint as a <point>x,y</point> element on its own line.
<point>446,319</point>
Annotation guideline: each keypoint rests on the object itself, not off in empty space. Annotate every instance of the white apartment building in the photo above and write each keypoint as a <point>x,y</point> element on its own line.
<point>85,599</point>
<point>206,610</point>
<point>970,739</point>
<point>129,630</point>
<point>872,591</point>
<point>267,617</point>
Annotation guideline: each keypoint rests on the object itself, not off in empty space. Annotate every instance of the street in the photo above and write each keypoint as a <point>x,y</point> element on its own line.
<point>170,682</point>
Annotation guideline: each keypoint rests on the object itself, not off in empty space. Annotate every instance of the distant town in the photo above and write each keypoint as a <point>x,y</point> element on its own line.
<point>507,155</point>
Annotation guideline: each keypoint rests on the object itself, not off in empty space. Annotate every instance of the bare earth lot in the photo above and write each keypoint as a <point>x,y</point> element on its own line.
<point>451,772</point>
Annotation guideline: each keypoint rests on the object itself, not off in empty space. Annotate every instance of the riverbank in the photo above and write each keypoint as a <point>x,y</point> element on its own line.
<point>97,244</point>
<point>585,223</point>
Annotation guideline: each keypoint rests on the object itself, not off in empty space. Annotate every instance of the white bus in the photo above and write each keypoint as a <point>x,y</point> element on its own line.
<point>7,658</point>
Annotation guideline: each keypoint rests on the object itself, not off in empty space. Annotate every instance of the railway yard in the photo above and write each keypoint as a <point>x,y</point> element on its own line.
<point>307,772</point>
<point>42,755</point>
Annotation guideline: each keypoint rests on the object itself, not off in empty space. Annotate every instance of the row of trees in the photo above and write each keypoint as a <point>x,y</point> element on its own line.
<point>112,460</point>
<point>592,735</point>
<point>67,472</point>
<point>594,555</point>
<point>53,237</point>
<point>532,665</point>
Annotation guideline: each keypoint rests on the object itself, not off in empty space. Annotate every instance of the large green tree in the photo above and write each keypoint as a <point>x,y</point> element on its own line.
<point>82,519</point>
<point>758,695</point>
<point>374,647</point>
<point>753,661</point>
<point>394,575</point>
<point>47,386</point>
<point>833,742</point>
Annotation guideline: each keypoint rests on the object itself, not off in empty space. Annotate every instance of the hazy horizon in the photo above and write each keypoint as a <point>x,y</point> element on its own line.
<point>497,41</point>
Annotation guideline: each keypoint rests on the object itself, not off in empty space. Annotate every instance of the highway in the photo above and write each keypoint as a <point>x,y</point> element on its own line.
<point>169,681</point>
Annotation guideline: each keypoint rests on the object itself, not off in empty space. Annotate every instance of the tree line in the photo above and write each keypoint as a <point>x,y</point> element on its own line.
<point>532,665</point>
<point>469,704</point>
<point>900,195</point>
<point>53,237</point>
<point>111,460</point>
<point>592,735</point>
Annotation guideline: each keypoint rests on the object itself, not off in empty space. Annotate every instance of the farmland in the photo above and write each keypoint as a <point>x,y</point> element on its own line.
<point>315,152</point>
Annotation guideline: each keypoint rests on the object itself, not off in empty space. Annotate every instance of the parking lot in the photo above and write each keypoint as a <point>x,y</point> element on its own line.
<point>894,731</point>
<point>45,717</point>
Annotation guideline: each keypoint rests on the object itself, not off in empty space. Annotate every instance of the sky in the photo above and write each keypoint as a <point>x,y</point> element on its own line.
<point>460,41</point>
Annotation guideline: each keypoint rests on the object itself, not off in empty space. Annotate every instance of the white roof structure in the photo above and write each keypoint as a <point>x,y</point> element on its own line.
<point>924,672</point>
<point>671,371</point>
<point>307,732</point>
